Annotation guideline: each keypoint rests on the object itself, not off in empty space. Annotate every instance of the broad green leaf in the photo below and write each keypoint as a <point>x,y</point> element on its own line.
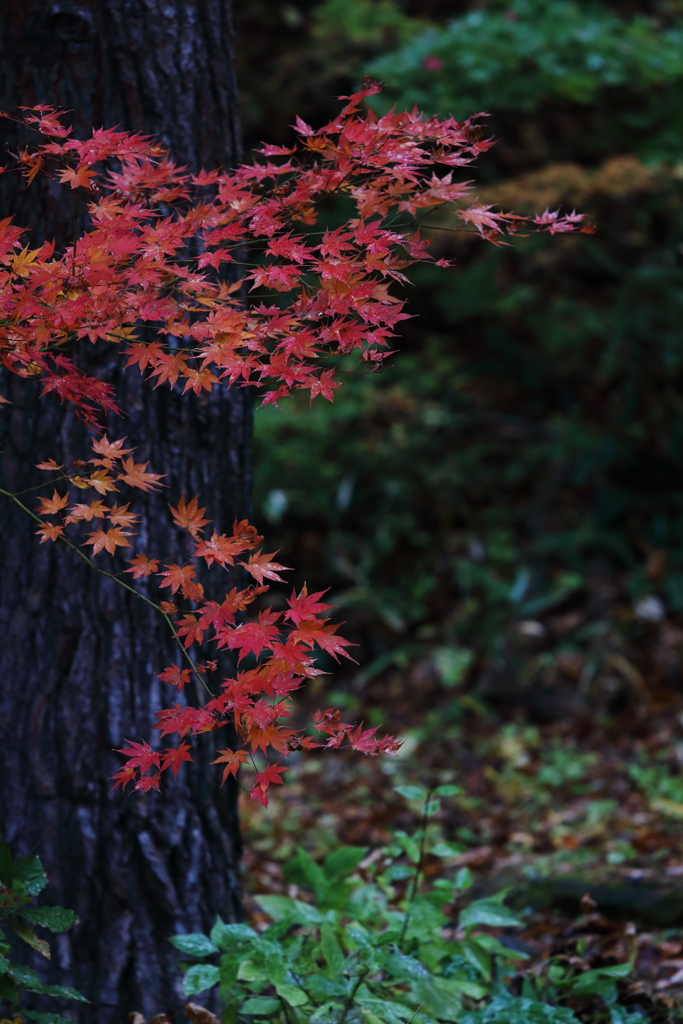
<point>194,944</point>
<point>6,867</point>
<point>30,938</point>
<point>261,1006</point>
<point>431,808</point>
<point>385,1009</point>
<point>331,949</point>
<point>463,879</point>
<point>410,792</point>
<point>448,790</point>
<point>292,994</point>
<point>29,871</point>
<point>226,936</point>
<point>303,870</point>
<point>322,986</point>
<point>477,956</point>
<point>488,912</point>
<point>402,966</point>
<point>46,1018</point>
<point>441,997</point>
<point>249,971</point>
<point>396,872</point>
<point>199,978</point>
<point>283,907</point>
<point>442,849</point>
<point>343,861</point>
<point>326,1014</point>
<point>57,919</point>
<point>8,989</point>
<point>517,1010</point>
<point>4,964</point>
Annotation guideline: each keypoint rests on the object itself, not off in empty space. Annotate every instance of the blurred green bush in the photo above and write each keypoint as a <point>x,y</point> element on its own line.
<point>507,496</point>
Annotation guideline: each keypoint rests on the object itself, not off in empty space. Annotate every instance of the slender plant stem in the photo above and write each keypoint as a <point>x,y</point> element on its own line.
<point>419,866</point>
<point>116,579</point>
<point>349,1002</point>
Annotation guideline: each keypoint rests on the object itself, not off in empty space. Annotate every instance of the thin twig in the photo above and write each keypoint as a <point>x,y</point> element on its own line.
<point>116,579</point>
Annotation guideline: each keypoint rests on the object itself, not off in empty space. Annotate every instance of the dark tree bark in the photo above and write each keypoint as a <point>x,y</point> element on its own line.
<point>79,655</point>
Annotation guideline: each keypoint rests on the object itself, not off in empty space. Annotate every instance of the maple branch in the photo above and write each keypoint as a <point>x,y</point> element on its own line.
<point>116,579</point>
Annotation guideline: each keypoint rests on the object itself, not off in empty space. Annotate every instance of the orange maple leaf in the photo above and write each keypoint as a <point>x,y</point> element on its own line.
<point>134,474</point>
<point>49,532</point>
<point>120,516</point>
<point>50,506</point>
<point>95,510</point>
<point>189,516</point>
<point>233,760</point>
<point>102,481</point>
<point>177,576</point>
<point>78,177</point>
<point>108,541</point>
<point>143,567</point>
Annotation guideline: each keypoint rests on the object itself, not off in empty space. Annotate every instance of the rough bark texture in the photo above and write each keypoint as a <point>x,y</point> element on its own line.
<point>78,655</point>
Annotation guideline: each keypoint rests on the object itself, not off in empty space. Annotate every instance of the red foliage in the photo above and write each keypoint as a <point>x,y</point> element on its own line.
<point>146,276</point>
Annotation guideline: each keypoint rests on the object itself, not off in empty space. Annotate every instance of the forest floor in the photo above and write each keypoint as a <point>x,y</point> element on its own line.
<point>580,818</point>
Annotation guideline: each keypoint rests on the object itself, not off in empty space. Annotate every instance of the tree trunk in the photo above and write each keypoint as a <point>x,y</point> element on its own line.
<point>79,655</point>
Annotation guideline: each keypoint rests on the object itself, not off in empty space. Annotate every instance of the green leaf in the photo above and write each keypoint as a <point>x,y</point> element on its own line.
<point>57,919</point>
<point>331,949</point>
<point>517,1010</point>
<point>29,871</point>
<point>292,994</point>
<point>410,792</point>
<point>226,936</point>
<point>284,908</point>
<point>8,989</point>
<point>46,1018</point>
<point>249,971</point>
<point>441,997</point>
<point>194,944</point>
<point>463,879</point>
<point>431,808</point>
<point>6,867</point>
<point>199,978</point>
<point>385,1009</point>
<point>343,861</point>
<point>442,849</point>
<point>402,966</point>
<point>448,790</point>
<point>303,870</point>
<point>30,937</point>
<point>261,1006</point>
<point>490,912</point>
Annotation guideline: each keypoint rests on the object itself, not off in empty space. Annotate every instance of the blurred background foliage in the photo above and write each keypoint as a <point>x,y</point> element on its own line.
<point>500,510</point>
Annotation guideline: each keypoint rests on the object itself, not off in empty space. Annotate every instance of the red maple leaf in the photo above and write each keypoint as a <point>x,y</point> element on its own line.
<point>305,605</point>
<point>175,676</point>
<point>262,568</point>
<point>140,755</point>
<point>174,757</point>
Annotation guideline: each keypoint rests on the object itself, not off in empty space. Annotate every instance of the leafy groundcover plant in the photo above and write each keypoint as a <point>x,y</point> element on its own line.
<point>20,880</point>
<point>357,952</point>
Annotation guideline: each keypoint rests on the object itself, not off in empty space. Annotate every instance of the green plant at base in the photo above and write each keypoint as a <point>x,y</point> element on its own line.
<point>20,880</point>
<point>370,947</point>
